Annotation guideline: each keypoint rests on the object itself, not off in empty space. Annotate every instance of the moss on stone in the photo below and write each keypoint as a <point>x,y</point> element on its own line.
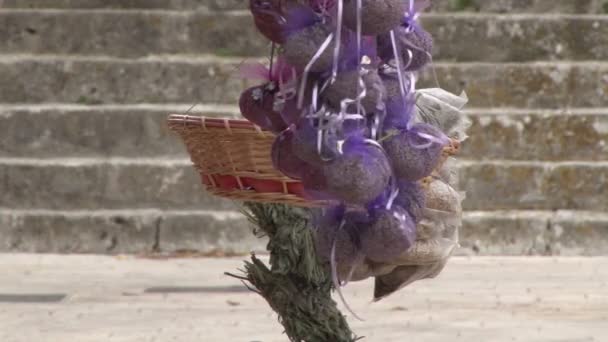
<point>464,5</point>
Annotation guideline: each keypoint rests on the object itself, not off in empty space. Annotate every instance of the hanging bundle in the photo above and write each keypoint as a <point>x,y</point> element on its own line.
<point>352,136</point>
<point>366,140</point>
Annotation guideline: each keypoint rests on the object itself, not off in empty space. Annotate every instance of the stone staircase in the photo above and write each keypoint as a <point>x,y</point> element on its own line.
<point>88,165</point>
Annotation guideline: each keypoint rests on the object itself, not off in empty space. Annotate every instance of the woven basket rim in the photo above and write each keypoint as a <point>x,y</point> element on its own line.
<point>212,127</point>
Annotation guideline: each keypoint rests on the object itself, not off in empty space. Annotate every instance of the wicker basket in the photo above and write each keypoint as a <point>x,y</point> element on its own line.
<point>233,159</point>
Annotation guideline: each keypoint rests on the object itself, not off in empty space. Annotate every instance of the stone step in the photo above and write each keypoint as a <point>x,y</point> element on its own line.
<point>180,79</point>
<point>131,131</point>
<point>64,184</point>
<point>526,6</point>
<point>127,4</point>
<point>500,6</point>
<point>534,233</point>
<point>126,231</point>
<point>73,131</point>
<point>107,184</point>
<point>143,33</point>
<point>143,231</point>
<point>500,185</point>
<point>561,135</point>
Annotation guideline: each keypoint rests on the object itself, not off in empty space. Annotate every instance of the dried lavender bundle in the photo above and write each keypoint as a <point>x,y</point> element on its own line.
<point>352,126</point>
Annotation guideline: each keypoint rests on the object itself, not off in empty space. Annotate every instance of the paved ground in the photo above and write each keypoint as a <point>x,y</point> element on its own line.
<point>133,299</point>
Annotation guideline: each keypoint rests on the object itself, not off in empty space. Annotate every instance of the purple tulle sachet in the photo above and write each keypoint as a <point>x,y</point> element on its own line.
<point>342,100</point>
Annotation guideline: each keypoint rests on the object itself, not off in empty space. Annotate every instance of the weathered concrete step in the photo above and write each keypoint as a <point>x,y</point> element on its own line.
<point>526,6</point>
<point>580,134</point>
<point>127,4</point>
<point>104,184</point>
<point>41,79</point>
<point>508,185</point>
<point>130,33</point>
<point>517,38</point>
<point>141,231</point>
<point>53,131</point>
<point>136,33</point>
<point>173,184</point>
<point>534,233</point>
<point>500,6</point>
<point>125,231</point>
